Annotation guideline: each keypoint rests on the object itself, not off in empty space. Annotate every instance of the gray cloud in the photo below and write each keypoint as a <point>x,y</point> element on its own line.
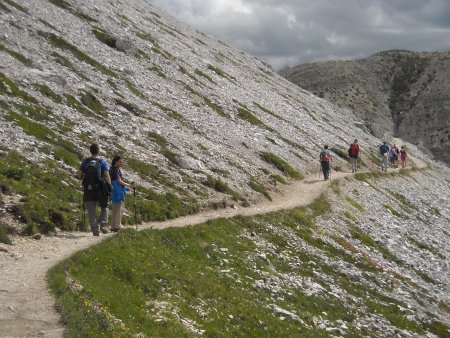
<point>289,32</point>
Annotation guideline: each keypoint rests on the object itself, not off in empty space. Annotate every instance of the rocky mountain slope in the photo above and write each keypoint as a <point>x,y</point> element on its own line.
<point>181,106</point>
<point>202,125</point>
<point>397,92</point>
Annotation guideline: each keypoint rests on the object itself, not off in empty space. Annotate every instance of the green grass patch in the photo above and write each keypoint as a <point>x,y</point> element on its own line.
<point>93,103</point>
<point>204,75</point>
<point>281,165</point>
<point>4,8</point>
<point>47,203</point>
<point>342,153</point>
<point>268,111</point>
<point>158,138</point>
<point>158,71</point>
<point>63,61</point>
<point>258,187</point>
<point>221,73</point>
<point>402,199</point>
<point>363,237</point>
<point>217,276</point>
<point>19,57</point>
<point>8,87</point>
<point>214,106</point>
<point>392,210</point>
<point>425,246</point>
<point>104,37</point>
<point>246,115</point>
<point>58,42</point>
<point>218,185</point>
<point>350,216</point>
<point>48,92</point>
<point>147,205</point>
<point>134,90</point>
<point>77,105</point>
<point>64,150</point>
<point>355,204</point>
<point>5,232</point>
<point>17,6</point>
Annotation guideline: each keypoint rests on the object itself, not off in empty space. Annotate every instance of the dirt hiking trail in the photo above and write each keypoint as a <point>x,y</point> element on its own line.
<point>27,307</point>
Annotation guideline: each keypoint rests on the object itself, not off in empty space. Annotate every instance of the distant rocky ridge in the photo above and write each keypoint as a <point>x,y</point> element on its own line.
<point>396,92</point>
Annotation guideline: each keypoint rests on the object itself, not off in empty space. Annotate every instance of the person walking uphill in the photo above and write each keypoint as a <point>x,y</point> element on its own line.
<point>384,152</point>
<point>353,152</point>
<point>94,173</point>
<point>403,156</point>
<point>325,159</point>
<point>119,188</point>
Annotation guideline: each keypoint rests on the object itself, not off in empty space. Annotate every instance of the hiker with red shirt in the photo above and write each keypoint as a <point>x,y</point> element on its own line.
<point>354,152</point>
<point>403,156</point>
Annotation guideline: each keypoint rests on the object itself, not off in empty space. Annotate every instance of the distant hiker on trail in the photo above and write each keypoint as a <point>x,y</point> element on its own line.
<point>353,152</point>
<point>325,160</point>
<point>403,156</point>
<point>119,188</point>
<point>393,155</point>
<point>94,171</point>
<point>384,152</point>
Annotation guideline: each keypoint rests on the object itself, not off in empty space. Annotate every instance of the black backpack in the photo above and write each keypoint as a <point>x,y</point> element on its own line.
<point>92,180</point>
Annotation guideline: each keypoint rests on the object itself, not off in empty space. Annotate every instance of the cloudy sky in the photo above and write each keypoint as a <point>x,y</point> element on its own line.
<point>289,32</point>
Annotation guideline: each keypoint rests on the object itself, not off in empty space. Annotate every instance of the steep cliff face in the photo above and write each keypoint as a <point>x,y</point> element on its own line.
<point>396,92</point>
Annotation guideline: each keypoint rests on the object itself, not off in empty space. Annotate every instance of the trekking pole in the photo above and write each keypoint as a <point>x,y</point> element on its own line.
<point>83,217</point>
<point>135,211</point>
<point>329,171</point>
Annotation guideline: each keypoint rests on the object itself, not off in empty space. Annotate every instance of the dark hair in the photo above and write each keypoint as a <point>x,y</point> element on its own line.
<point>115,159</point>
<point>326,146</point>
<point>94,149</point>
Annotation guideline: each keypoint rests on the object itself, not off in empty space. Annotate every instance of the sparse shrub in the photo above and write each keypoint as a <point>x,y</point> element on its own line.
<point>258,187</point>
<point>63,61</point>
<point>249,117</point>
<point>74,103</point>
<point>19,57</point>
<point>170,155</point>
<point>8,87</point>
<point>158,71</point>
<point>47,203</point>
<point>221,186</point>
<point>58,42</point>
<point>104,37</point>
<point>349,215</point>
<point>392,210</point>
<point>341,153</point>
<point>281,165</point>
<point>5,231</point>
<point>354,203</point>
<point>206,76</point>
<point>94,104</point>
<point>158,138</point>
<point>47,91</point>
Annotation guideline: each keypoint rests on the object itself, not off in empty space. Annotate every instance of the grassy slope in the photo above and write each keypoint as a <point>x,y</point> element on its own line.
<point>216,277</point>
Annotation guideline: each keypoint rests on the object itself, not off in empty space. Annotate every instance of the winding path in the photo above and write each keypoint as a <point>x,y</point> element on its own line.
<point>27,305</point>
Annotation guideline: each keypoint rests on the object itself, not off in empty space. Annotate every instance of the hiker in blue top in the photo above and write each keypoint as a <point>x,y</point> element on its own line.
<point>119,188</point>
<point>94,173</point>
<point>325,160</point>
<point>384,152</point>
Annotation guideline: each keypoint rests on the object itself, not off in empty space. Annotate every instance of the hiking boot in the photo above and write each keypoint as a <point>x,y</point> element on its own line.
<point>95,232</point>
<point>115,229</point>
<point>104,229</point>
